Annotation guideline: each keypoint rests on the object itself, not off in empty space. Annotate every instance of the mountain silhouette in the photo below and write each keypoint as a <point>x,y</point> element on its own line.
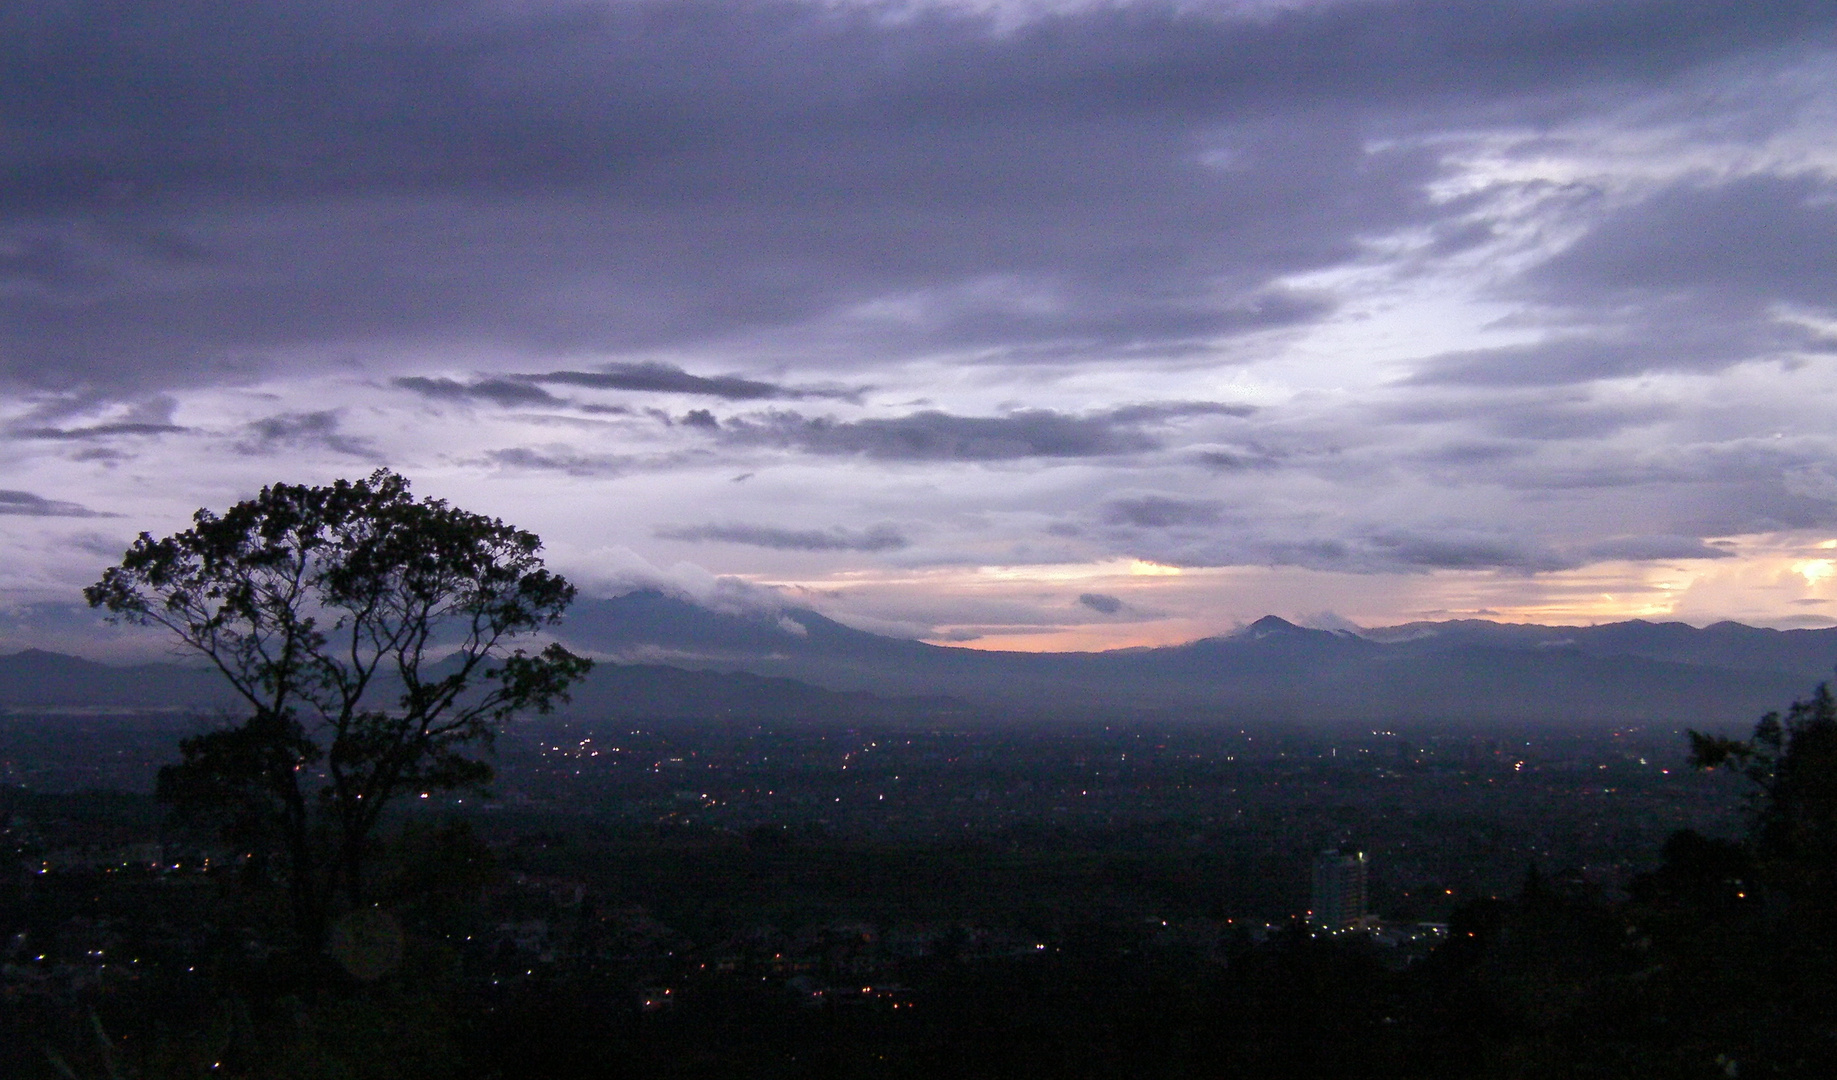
<point>36,679</point>
<point>1272,668</point>
<point>664,656</point>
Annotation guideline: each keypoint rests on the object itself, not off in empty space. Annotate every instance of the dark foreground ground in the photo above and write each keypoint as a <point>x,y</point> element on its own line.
<point>721,900</point>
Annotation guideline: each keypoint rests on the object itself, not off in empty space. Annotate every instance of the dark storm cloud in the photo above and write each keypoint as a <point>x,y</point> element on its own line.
<point>192,188</point>
<point>1757,238</point>
<point>1102,603</point>
<point>877,538</point>
<point>49,419</point>
<point>1458,549</point>
<point>292,431</point>
<point>305,96</point>
<point>1161,512</point>
<point>938,436</point>
<point>497,391</point>
<point>933,435</point>
<point>26,504</point>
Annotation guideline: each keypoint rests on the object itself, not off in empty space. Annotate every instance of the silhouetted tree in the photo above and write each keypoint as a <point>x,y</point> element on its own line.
<point>1792,762</point>
<point>1737,935</point>
<point>370,636</point>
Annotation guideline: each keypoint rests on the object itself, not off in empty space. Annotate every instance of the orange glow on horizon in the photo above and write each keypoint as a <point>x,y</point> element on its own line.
<point>1782,580</point>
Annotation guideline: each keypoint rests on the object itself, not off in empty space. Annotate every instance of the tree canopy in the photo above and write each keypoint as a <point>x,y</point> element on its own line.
<point>373,639</point>
<point>1791,760</point>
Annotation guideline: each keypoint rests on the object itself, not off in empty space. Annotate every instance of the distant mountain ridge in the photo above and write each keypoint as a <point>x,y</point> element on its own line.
<point>1723,644</point>
<point>1271,669</point>
<point>678,659</point>
<point>37,679</point>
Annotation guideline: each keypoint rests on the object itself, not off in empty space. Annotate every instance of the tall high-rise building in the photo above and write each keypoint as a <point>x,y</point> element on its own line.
<point>1338,899</point>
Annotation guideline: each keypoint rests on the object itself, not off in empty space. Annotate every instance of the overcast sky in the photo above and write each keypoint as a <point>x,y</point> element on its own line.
<point>1030,325</point>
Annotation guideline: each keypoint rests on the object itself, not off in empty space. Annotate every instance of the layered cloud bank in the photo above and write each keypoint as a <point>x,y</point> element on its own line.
<point>1037,325</point>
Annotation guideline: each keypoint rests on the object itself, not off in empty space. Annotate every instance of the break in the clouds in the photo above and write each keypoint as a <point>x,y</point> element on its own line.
<point>1512,306</point>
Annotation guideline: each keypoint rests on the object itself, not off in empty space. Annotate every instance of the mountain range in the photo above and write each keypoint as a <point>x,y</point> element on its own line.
<point>671,657</point>
<point>1271,669</point>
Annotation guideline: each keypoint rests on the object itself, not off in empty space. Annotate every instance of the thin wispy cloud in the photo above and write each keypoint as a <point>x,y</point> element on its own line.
<point>874,538</point>
<point>26,504</point>
<point>667,379</point>
<point>508,393</point>
<point>932,435</point>
<point>96,431</point>
<point>560,459</point>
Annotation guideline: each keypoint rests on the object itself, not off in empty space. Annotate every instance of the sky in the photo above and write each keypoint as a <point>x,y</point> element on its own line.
<point>1035,325</point>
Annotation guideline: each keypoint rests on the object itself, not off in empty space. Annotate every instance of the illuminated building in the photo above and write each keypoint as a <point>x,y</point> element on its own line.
<point>1338,898</point>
